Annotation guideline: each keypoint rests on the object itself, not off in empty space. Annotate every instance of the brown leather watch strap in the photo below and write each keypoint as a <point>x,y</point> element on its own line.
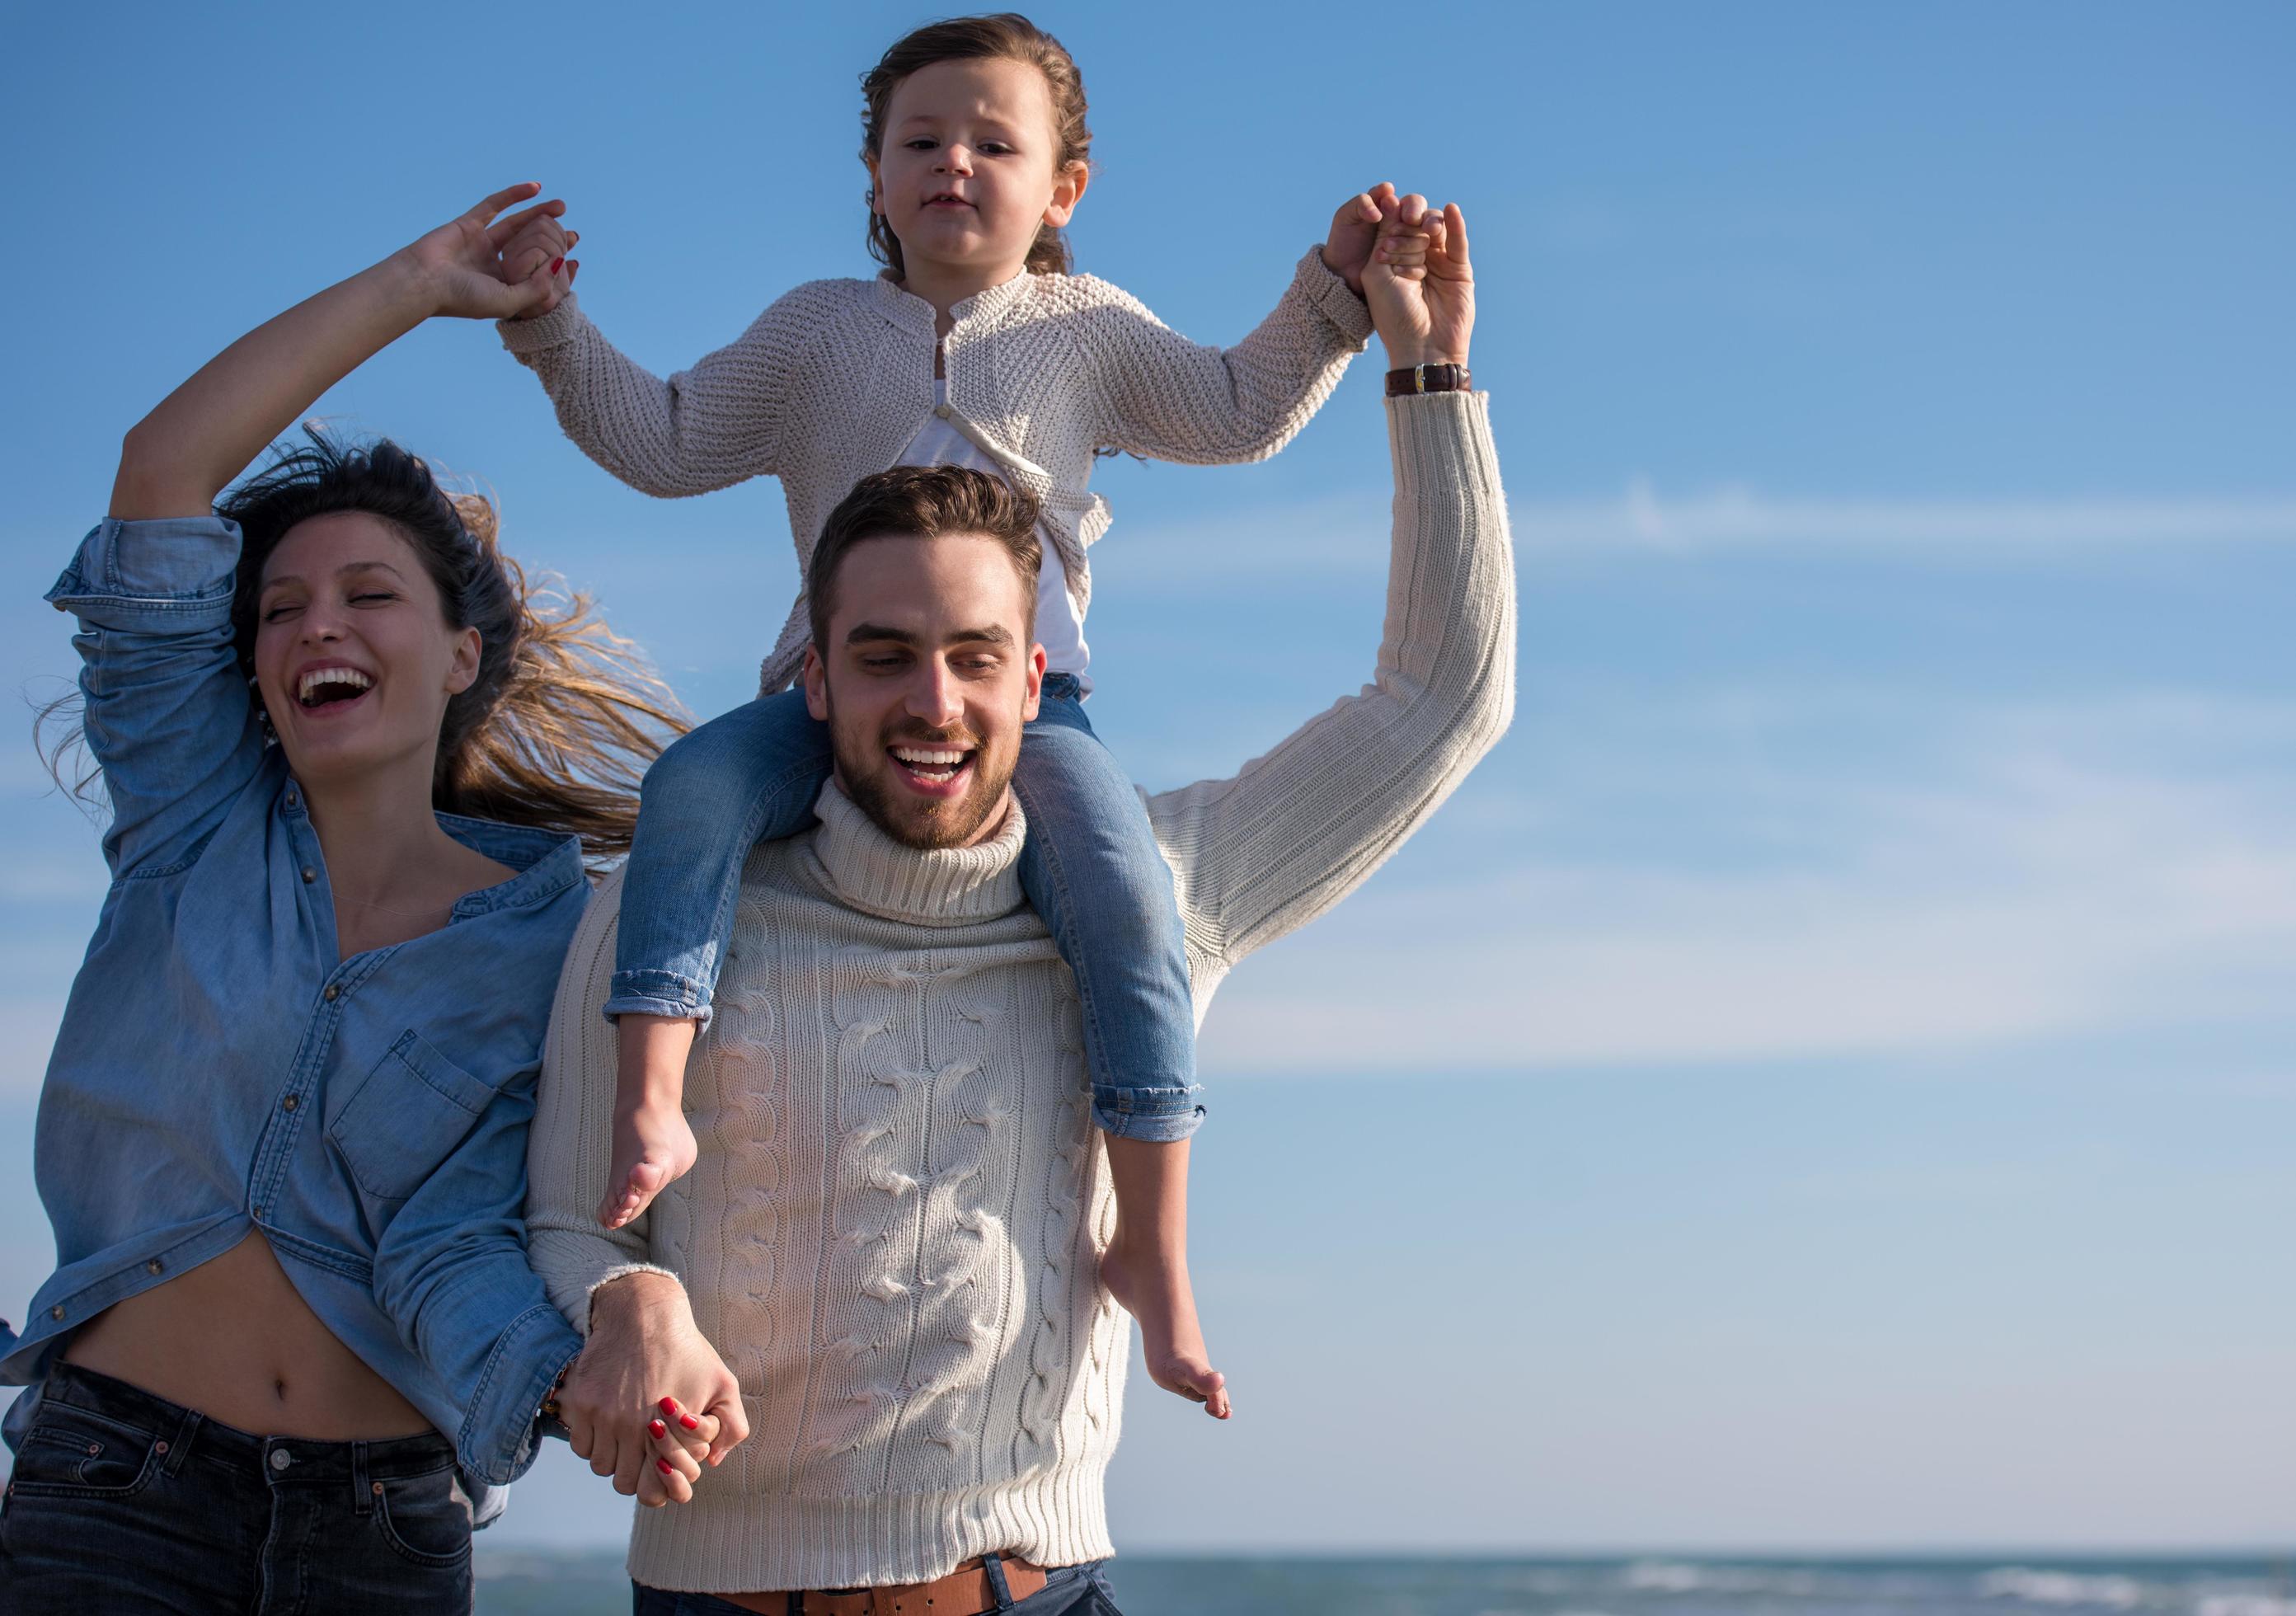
<point>965,1591</point>
<point>1427,379</point>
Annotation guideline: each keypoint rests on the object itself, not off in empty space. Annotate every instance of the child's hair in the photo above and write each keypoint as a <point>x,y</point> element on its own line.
<point>1005,35</point>
<point>922,502</point>
<point>556,730</point>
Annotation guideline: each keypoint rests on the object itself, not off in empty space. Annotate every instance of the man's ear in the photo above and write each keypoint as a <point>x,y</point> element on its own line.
<point>1068,191</point>
<point>816,685</point>
<point>1035,696</point>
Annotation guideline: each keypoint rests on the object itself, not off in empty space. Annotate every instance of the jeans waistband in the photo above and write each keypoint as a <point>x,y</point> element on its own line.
<point>1063,688</point>
<point>388,1459</point>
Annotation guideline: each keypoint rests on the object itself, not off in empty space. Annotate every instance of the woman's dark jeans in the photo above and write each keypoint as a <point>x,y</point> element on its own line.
<point>125,1502</point>
<point>1074,1590</point>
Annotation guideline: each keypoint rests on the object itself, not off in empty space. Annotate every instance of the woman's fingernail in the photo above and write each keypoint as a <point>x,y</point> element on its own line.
<point>554,263</point>
<point>662,1465</point>
<point>657,1429</point>
<point>669,1405</point>
<point>689,1422</point>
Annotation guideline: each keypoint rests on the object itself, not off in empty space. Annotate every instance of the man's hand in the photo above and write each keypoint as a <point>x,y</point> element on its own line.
<point>1355,227</point>
<point>465,271</point>
<point>649,1399</point>
<point>1421,287</point>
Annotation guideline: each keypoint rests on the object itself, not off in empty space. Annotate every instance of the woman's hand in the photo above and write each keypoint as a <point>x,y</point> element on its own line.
<point>1421,287</point>
<point>483,267</point>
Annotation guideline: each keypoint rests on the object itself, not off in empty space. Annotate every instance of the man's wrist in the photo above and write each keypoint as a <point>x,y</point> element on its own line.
<point>1405,358</point>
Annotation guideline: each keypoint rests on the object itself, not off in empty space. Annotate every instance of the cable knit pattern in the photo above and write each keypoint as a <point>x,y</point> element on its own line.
<point>894,1231</point>
<point>831,383</point>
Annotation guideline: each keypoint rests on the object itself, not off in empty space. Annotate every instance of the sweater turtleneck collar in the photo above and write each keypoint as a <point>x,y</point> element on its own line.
<point>869,871</point>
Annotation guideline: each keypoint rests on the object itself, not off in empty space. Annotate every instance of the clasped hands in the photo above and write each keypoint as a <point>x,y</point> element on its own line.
<point>649,1402</point>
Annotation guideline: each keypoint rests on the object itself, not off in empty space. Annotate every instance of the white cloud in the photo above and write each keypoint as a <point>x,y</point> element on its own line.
<point>2022,893</point>
<point>1347,533</point>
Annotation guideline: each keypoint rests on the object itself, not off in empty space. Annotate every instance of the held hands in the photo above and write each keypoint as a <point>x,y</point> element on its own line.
<point>649,1401</point>
<point>481,267</point>
<point>1420,285</point>
<point>1355,228</point>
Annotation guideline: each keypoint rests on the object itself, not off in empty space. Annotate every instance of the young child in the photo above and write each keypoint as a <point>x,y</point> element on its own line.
<point>975,346</point>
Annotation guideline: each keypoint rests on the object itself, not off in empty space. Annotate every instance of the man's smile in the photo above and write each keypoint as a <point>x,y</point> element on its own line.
<point>942,770</point>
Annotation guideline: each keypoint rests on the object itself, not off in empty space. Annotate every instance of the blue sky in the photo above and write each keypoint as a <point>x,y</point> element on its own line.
<point>1830,1079</point>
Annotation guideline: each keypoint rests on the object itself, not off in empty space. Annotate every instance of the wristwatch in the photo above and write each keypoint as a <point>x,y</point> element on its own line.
<point>1427,379</point>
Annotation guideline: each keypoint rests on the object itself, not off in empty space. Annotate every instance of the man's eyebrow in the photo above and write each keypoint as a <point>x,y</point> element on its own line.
<point>860,633</point>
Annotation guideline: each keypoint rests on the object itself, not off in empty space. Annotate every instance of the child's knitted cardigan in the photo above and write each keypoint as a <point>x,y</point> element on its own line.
<point>832,383</point>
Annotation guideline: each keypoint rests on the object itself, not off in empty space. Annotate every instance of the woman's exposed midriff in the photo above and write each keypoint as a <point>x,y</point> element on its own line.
<point>234,1339</point>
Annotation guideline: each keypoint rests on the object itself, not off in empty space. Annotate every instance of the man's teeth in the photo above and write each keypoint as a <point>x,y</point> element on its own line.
<point>933,764</point>
<point>320,677</point>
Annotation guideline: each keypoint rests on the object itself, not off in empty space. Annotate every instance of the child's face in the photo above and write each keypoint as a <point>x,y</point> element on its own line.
<point>970,169</point>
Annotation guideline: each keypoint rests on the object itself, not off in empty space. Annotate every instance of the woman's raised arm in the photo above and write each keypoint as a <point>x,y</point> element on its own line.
<point>178,458</point>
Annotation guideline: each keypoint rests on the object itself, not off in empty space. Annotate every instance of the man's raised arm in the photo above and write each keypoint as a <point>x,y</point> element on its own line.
<point>1299,828</point>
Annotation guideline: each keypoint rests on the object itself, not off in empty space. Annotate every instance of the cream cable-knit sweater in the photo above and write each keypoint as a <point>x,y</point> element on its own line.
<point>831,383</point>
<point>893,1231</point>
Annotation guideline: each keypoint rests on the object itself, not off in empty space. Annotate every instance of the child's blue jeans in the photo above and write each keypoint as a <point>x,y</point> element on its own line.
<point>1091,867</point>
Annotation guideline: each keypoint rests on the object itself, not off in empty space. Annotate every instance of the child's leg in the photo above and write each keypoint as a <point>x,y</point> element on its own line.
<point>748,777</point>
<point>1091,868</point>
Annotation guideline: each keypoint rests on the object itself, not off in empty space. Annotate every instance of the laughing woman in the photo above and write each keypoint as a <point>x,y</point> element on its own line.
<point>291,1337</point>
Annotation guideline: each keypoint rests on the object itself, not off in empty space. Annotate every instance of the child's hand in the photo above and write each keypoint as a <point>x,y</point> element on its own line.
<point>541,241</point>
<point>1354,228</point>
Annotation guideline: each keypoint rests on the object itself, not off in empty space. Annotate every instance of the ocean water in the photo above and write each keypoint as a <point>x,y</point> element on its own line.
<point>514,1583</point>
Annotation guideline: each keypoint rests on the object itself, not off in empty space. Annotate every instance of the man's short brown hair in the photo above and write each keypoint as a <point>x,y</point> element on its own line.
<point>924,502</point>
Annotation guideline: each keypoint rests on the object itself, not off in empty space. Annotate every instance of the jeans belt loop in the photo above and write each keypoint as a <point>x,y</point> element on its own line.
<point>362,1494</point>
<point>993,1564</point>
<point>179,1445</point>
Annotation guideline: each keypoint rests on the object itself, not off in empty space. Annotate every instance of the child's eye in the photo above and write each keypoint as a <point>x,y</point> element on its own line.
<point>923,143</point>
<point>277,614</point>
<point>996,147</point>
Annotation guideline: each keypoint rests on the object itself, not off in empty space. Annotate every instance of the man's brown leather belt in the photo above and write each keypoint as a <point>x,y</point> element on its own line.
<point>965,1591</point>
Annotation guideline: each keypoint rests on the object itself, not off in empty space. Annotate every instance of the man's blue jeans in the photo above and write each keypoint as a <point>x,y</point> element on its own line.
<point>1091,867</point>
<point>1072,1591</point>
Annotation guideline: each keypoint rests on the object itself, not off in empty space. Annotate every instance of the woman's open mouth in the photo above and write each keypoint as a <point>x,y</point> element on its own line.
<point>332,689</point>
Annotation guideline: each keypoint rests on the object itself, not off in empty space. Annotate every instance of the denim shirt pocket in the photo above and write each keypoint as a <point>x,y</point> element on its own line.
<point>405,1116</point>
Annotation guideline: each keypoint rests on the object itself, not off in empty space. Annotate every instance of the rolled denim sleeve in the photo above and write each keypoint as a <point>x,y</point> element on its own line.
<point>451,1269</point>
<point>167,715</point>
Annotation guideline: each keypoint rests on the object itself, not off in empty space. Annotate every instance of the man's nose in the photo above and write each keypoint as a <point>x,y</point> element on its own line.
<point>934,695</point>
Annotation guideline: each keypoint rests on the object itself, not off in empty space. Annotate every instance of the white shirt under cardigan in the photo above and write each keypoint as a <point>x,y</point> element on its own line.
<point>1060,620</point>
<point>831,381</point>
<point>893,1231</point>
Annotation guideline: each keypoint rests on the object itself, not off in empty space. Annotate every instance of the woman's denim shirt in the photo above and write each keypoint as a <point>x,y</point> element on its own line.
<point>220,1068</point>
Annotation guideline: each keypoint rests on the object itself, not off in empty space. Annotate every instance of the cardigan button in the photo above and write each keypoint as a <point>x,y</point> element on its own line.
<point>944,412</point>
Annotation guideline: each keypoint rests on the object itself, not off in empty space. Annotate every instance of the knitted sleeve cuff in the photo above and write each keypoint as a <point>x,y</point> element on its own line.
<point>623,1271</point>
<point>559,326</point>
<point>1329,295</point>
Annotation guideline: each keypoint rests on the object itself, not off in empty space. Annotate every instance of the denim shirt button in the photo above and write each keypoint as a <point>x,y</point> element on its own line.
<point>288,1103</point>
<point>310,876</point>
<point>56,1312</point>
<point>293,801</point>
<point>332,993</point>
<point>156,1266</point>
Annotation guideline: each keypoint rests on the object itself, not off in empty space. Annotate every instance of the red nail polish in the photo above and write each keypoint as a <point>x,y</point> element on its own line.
<point>657,1429</point>
<point>669,1405</point>
<point>662,1465</point>
<point>689,1422</point>
<point>554,263</point>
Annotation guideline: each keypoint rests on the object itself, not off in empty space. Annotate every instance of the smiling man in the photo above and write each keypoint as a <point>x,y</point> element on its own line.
<point>894,1230</point>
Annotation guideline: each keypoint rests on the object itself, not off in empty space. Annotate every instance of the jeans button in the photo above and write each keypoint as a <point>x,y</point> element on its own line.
<point>281,1459</point>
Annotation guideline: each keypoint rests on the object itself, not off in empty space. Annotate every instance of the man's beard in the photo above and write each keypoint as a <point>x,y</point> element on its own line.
<point>912,822</point>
